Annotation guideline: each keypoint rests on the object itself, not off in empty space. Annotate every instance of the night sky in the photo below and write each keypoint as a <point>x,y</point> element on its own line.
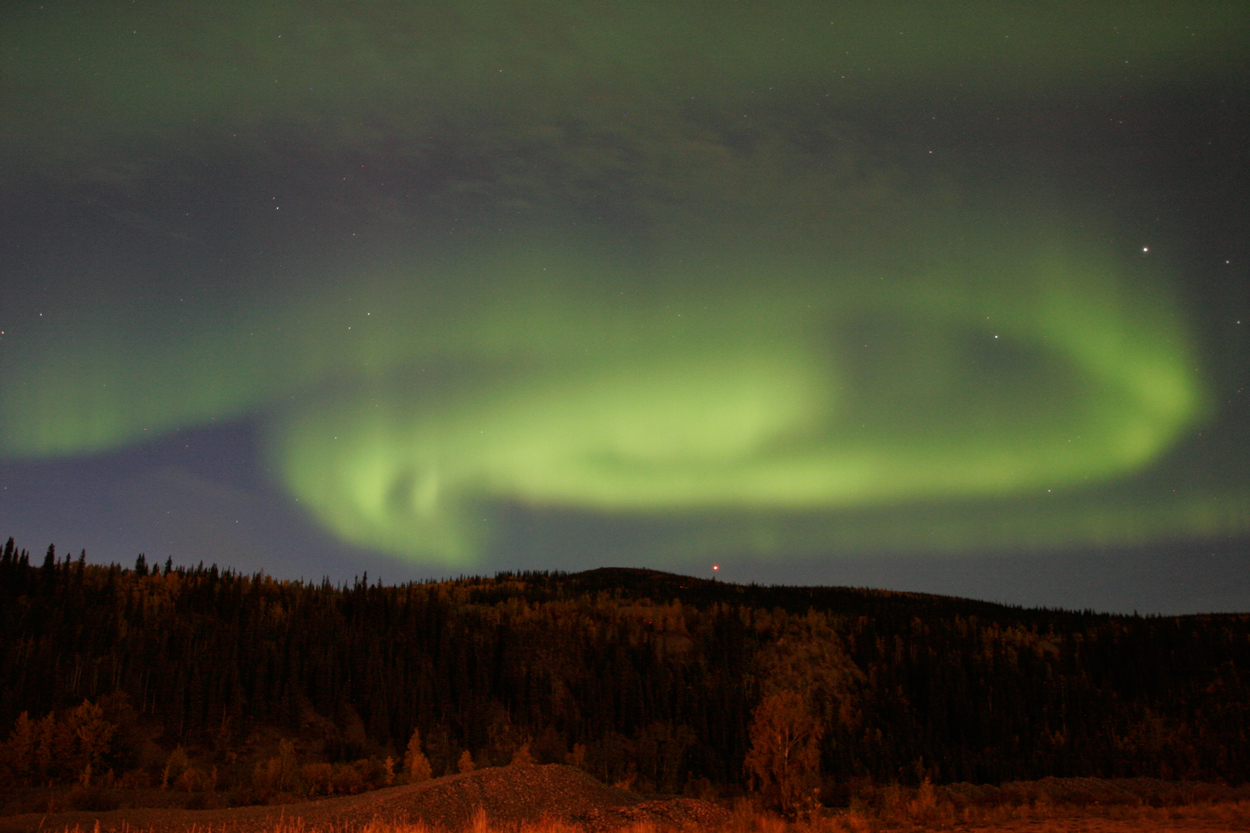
<point>938,297</point>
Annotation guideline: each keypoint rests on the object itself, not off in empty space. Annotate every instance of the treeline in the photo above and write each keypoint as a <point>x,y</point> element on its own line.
<point>636,675</point>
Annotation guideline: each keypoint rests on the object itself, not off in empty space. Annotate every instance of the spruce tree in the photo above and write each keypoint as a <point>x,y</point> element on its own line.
<point>416,765</point>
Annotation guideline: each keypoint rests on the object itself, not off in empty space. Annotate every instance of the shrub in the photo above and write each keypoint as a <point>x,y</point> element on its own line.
<point>318,778</point>
<point>348,779</point>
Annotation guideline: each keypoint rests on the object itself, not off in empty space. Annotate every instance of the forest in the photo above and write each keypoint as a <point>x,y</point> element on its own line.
<point>218,681</point>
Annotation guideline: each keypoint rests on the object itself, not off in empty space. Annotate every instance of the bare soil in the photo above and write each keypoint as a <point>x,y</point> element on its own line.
<point>1201,817</point>
<point>1095,821</point>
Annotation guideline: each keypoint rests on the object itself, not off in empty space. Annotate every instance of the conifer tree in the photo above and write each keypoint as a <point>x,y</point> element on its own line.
<point>416,765</point>
<point>18,753</point>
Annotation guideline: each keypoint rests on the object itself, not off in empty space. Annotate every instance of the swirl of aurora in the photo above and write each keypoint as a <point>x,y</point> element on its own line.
<point>772,397</point>
<point>753,381</point>
<point>627,267</point>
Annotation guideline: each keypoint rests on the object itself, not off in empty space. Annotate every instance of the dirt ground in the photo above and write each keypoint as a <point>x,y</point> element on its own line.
<point>1091,823</point>
<point>509,796</point>
<point>553,798</point>
<point>1202,818</point>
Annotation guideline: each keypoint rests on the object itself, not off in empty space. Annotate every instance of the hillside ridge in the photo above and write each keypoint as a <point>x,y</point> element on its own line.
<point>201,675</point>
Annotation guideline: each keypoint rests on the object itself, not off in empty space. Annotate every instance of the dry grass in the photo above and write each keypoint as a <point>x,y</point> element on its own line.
<point>1201,818</point>
<point>560,800</point>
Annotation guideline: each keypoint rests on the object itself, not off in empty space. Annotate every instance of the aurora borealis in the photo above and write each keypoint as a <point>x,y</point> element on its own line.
<point>459,288</point>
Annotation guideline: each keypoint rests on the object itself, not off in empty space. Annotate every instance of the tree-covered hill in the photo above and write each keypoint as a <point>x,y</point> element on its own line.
<point>633,674</point>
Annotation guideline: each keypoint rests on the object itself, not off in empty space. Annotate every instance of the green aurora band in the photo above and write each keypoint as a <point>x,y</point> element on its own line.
<point>760,402</point>
<point>753,379</point>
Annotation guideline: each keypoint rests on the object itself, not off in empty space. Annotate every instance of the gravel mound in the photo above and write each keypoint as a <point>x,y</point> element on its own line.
<point>510,796</point>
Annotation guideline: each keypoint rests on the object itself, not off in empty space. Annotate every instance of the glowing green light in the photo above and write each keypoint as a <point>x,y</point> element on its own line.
<point>757,400</point>
<point>541,375</point>
<point>798,346</point>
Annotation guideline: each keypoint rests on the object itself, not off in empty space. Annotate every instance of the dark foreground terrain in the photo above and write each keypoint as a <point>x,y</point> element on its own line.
<point>507,796</point>
<point>562,799</point>
<point>216,689</point>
